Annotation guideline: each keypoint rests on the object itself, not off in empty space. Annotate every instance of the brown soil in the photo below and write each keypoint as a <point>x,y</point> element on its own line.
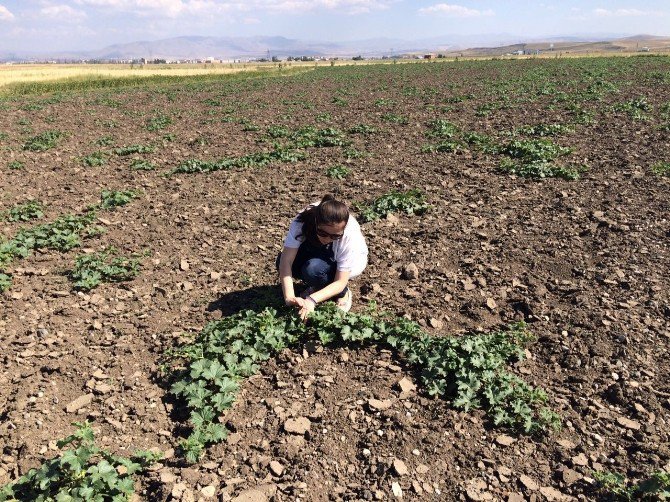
<point>586,263</point>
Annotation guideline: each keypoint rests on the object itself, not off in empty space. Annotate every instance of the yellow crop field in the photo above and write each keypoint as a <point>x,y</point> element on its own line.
<point>25,73</point>
<point>10,74</point>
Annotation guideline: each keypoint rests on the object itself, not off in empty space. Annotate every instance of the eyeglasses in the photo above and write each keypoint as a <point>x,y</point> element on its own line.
<point>323,233</point>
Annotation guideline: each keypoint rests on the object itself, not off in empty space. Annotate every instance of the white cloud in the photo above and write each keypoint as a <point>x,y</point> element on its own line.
<point>451,10</point>
<point>175,8</point>
<point>5,15</point>
<point>166,8</point>
<point>63,12</point>
<point>622,13</point>
<point>347,6</point>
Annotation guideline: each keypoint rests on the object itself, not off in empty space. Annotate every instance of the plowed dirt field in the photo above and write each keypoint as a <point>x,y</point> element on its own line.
<point>584,262</point>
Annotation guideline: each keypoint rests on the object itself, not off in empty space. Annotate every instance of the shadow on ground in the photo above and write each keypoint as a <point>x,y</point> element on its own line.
<point>256,298</point>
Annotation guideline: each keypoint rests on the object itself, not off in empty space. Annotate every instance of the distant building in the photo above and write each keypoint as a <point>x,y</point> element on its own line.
<point>428,56</point>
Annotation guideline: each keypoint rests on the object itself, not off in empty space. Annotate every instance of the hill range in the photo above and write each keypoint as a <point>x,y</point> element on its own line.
<point>229,48</point>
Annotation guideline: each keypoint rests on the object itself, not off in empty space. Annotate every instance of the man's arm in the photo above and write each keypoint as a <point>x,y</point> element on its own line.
<point>334,288</point>
<point>285,276</point>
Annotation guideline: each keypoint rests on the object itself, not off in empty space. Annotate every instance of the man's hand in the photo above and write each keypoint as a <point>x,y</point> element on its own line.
<point>306,306</point>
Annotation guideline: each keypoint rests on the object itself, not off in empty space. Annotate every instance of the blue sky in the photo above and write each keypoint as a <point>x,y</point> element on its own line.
<point>92,24</point>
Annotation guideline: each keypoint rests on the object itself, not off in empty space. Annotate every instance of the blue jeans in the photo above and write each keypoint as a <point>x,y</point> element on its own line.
<point>315,266</point>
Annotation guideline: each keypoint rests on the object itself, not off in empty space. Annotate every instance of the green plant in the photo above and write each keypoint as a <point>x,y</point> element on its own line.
<point>65,232</point>
<point>397,119</point>
<point>309,136</point>
<point>275,131</point>
<point>534,159</point>
<point>409,202</point>
<point>249,126</point>
<point>115,198</point>
<point>534,150</point>
<point>485,109</point>
<point>661,168</point>
<point>338,172</point>
<point>15,164</point>
<point>158,122</point>
<point>5,282</point>
<point>132,149</point>
<point>481,142</point>
<point>142,165</point>
<point>636,108</point>
<point>545,130</point>
<point>260,159</point>
<point>83,472</point>
<point>95,159</point>
<point>469,370</point>
<point>43,141</point>
<point>104,141</point>
<point>352,154</point>
<point>655,487</point>
<point>382,102</point>
<point>540,169</point>
<point>30,210</point>
<point>580,115</point>
<point>362,129</point>
<point>62,234</point>
<point>664,109</point>
<point>441,128</point>
<point>91,270</point>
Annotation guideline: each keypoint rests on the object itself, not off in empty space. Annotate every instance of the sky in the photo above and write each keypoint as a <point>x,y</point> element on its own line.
<point>61,25</point>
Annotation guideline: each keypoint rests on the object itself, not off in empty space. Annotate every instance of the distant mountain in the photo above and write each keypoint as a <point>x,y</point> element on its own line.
<point>644,38</point>
<point>216,47</point>
<point>568,45</point>
<point>229,48</point>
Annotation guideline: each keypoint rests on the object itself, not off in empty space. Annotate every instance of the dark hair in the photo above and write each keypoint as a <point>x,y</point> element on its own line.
<point>328,212</point>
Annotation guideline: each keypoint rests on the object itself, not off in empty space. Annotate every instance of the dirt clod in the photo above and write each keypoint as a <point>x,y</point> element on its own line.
<point>300,425</point>
<point>410,272</point>
<point>81,402</point>
<point>399,467</point>
<point>628,423</point>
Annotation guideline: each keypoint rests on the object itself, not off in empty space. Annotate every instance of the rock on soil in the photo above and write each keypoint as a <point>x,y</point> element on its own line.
<point>529,483</point>
<point>628,423</point>
<point>400,468</point>
<point>552,494</point>
<point>569,476</point>
<point>379,405</point>
<point>251,495</point>
<point>208,491</point>
<point>300,425</point>
<point>410,272</point>
<point>504,440</point>
<point>406,387</point>
<point>276,468</point>
<point>79,403</point>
